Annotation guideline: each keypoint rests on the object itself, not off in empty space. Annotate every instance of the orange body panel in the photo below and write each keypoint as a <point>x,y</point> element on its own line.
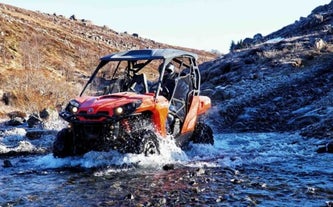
<point>160,109</point>
<point>205,104</point>
<point>199,105</point>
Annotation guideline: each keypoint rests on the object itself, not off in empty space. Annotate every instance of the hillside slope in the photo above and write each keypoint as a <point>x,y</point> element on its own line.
<point>44,57</point>
<point>280,82</point>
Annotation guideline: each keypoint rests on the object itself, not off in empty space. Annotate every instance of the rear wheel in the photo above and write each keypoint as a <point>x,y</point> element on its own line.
<point>147,143</point>
<point>62,146</point>
<point>203,134</point>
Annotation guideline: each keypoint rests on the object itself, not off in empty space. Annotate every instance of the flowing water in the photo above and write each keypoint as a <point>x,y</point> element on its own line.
<point>247,169</point>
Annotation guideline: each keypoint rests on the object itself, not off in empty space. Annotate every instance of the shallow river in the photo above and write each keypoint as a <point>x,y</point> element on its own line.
<point>257,169</point>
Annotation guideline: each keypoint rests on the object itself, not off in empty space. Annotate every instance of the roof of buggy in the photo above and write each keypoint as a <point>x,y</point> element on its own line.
<point>147,54</point>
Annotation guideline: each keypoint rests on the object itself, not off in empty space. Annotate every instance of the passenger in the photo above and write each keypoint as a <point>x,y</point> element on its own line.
<point>168,83</point>
<point>168,87</point>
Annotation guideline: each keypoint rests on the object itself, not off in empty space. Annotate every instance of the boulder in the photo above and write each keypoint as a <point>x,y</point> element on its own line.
<point>44,114</point>
<point>16,118</point>
<point>8,98</point>
<point>33,120</point>
<point>7,163</point>
<point>328,148</point>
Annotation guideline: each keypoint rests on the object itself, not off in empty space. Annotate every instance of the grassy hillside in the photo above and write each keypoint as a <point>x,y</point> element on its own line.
<point>44,57</point>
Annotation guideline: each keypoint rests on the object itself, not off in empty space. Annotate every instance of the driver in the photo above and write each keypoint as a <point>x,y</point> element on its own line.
<point>168,83</point>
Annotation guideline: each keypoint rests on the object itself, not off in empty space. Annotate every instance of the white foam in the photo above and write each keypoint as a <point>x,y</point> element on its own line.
<point>3,148</point>
<point>169,153</point>
<point>15,132</point>
<point>49,161</point>
<point>24,146</point>
<point>230,150</point>
<point>54,122</point>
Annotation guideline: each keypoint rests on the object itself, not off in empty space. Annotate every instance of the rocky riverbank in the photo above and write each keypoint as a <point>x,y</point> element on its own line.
<point>281,82</point>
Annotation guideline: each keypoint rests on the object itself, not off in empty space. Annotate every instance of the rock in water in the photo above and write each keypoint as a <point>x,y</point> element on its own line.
<point>169,167</point>
<point>33,120</point>
<point>7,163</point>
<point>327,148</point>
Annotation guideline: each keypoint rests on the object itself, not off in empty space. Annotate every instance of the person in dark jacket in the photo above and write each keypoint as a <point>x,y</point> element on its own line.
<point>168,83</point>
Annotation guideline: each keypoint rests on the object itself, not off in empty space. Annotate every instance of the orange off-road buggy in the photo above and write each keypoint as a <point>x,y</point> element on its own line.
<point>126,107</point>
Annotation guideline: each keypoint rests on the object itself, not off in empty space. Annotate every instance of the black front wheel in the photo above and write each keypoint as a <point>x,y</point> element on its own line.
<point>63,144</point>
<point>147,143</point>
<point>202,134</point>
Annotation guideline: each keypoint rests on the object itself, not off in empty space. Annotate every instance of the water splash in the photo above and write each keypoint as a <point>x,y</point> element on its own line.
<point>170,153</point>
<point>54,122</point>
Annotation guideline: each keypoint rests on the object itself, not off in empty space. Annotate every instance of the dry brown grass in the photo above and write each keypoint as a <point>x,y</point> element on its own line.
<point>32,91</point>
<point>44,57</point>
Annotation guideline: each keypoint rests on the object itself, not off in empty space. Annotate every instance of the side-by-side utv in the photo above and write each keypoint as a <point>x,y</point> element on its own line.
<point>126,106</point>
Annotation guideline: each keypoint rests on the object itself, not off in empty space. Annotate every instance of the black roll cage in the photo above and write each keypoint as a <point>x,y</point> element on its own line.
<point>166,55</point>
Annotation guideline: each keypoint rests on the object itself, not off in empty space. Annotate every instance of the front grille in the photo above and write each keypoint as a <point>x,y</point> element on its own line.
<point>105,113</point>
<point>98,115</point>
<point>89,131</point>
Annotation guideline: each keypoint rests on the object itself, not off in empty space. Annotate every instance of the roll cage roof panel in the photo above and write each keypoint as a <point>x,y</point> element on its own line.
<point>147,54</point>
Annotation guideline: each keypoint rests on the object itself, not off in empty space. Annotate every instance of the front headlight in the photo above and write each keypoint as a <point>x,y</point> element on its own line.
<point>127,108</point>
<point>70,110</point>
<point>74,110</point>
<point>73,106</point>
<point>118,111</point>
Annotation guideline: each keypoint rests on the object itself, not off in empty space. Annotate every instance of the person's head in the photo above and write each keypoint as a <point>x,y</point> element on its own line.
<point>169,70</point>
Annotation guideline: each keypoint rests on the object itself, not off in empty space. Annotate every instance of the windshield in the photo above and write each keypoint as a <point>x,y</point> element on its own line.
<point>175,79</point>
<point>119,76</point>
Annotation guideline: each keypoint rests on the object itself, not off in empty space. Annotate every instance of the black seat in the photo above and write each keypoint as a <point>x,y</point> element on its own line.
<point>116,85</point>
<point>139,84</point>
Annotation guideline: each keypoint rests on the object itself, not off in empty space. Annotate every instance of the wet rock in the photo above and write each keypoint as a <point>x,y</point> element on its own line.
<point>38,133</point>
<point>168,167</point>
<point>200,171</point>
<point>236,181</point>
<point>44,114</point>
<point>197,172</point>
<point>16,118</point>
<point>162,201</point>
<point>195,199</point>
<point>328,148</point>
<point>196,190</point>
<point>7,163</point>
<point>33,120</point>
<point>221,199</point>
<point>329,203</point>
<point>33,134</point>
<point>129,196</point>
<point>192,182</point>
<point>17,121</point>
<point>251,200</point>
